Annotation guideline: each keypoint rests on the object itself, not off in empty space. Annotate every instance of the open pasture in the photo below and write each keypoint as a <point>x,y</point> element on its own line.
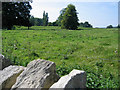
<point>93,50</point>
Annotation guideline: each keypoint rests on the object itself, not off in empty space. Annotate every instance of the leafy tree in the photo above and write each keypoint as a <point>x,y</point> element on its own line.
<point>110,26</point>
<point>45,19</point>
<point>15,13</point>
<point>61,16</point>
<point>39,22</point>
<point>36,21</point>
<point>50,24</point>
<point>81,24</point>
<point>85,24</point>
<point>32,20</point>
<point>70,19</point>
<point>56,23</point>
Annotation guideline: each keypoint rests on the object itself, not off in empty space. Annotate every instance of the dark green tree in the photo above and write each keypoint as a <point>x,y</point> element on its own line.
<point>15,13</point>
<point>32,20</point>
<point>110,26</point>
<point>50,24</point>
<point>45,19</point>
<point>81,24</point>
<point>70,19</point>
<point>86,24</point>
<point>36,21</point>
<point>39,22</point>
<point>118,26</point>
<point>55,23</point>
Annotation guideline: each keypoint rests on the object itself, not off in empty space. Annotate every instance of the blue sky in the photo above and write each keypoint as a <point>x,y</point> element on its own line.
<point>99,14</point>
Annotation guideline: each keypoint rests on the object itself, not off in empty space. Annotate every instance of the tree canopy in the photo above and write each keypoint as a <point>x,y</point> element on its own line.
<point>15,13</point>
<point>70,19</point>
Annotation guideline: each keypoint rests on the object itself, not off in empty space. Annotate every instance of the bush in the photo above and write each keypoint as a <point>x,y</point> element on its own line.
<point>110,26</point>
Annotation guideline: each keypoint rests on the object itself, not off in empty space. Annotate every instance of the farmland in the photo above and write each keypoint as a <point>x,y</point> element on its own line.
<point>93,50</point>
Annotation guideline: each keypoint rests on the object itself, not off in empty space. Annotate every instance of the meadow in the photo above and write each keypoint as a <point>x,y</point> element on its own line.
<point>94,50</point>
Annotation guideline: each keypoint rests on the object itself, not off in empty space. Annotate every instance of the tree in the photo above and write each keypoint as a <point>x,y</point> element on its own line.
<point>118,26</point>
<point>50,24</point>
<point>81,24</point>
<point>45,19</point>
<point>15,13</point>
<point>70,19</point>
<point>32,20</point>
<point>61,16</point>
<point>39,22</point>
<point>36,21</point>
<point>55,23</point>
<point>110,26</point>
<point>86,24</point>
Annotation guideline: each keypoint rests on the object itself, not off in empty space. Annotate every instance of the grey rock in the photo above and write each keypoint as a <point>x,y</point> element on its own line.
<point>75,79</point>
<point>9,75</point>
<point>38,74</point>
<point>4,62</point>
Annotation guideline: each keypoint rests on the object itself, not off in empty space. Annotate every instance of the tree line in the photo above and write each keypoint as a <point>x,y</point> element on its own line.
<point>18,13</point>
<point>39,21</point>
<point>67,19</point>
<point>110,26</point>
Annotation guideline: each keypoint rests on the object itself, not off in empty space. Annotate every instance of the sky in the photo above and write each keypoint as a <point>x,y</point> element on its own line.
<point>99,13</point>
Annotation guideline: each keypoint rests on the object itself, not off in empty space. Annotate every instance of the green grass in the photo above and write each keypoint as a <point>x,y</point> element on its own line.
<point>91,49</point>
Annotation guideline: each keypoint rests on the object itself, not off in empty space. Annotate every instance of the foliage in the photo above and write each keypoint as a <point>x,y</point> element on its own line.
<point>61,16</point>
<point>15,13</point>
<point>95,79</point>
<point>45,19</point>
<point>50,24</point>
<point>53,23</point>
<point>118,26</point>
<point>110,26</point>
<point>90,49</point>
<point>85,24</point>
<point>32,21</point>
<point>70,19</point>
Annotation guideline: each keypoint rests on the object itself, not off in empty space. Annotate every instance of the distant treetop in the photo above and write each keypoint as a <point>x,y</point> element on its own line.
<point>110,26</point>
<point>85,24</point>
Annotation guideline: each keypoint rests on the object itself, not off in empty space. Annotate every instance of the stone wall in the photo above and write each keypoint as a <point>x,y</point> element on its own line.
<point>39,74</point>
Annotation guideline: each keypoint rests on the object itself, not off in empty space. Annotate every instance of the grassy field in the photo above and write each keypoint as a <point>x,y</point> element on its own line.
<point>91,49</point>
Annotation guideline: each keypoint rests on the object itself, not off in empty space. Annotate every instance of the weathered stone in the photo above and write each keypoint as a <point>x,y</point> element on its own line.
<point>9,75</point>
<point>4,62</point>
<point>75,79</point>
<point>38,74</point>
